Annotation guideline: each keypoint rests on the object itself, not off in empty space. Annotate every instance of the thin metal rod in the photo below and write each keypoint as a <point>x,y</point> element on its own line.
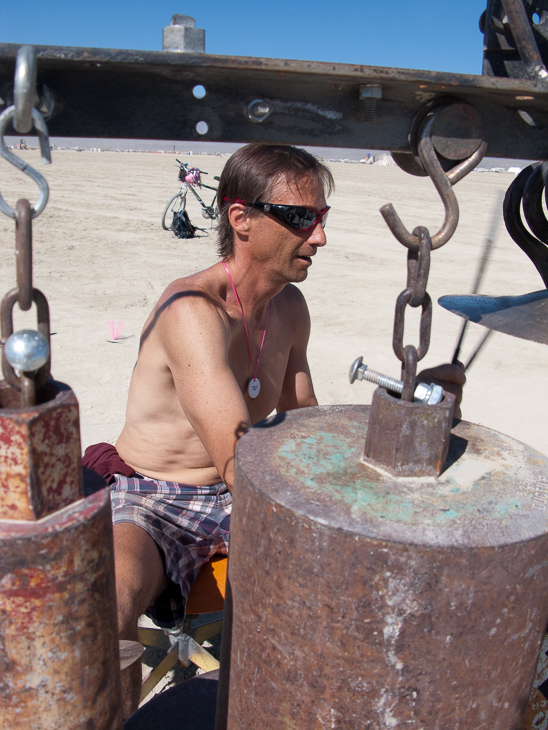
<point>456,354</point>
<point>486,255</point>
<point>479,276</point>
<point>478,348</point>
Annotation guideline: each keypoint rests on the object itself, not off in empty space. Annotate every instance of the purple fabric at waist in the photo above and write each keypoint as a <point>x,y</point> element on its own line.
<point>104,460</point>
<point>148,486</point>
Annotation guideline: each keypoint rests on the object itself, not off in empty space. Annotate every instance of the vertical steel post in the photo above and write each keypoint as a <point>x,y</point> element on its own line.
<point>59,660</point>
<point>364,600</point>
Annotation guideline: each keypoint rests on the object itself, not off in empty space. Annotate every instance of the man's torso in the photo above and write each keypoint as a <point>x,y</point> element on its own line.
<point>158,439</point>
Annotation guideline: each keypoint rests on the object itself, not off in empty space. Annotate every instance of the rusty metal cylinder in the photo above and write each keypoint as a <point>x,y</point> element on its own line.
<point>362,600</point>
<point>59,657</point>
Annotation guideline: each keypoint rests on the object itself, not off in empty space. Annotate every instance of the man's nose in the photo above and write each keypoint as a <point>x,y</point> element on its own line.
<point>317,235</point>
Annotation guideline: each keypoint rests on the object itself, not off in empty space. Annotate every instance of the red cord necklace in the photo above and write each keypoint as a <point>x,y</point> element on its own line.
<point>254,385</point>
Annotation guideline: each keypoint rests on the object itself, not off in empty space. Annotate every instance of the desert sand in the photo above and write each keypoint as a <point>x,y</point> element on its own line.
<point>101,256</point>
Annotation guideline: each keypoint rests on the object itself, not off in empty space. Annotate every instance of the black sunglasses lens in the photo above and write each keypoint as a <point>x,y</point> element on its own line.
<point>299,217</point>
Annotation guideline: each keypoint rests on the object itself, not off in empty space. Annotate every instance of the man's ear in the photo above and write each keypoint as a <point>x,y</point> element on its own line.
<point>239,219</point>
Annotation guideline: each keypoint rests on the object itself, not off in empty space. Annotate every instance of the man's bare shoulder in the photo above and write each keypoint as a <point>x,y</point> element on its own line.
<point>291,296</point>
<point>197,293</point>
<point>190,301</point>
<point>203,282</point>
<point>291,303</point>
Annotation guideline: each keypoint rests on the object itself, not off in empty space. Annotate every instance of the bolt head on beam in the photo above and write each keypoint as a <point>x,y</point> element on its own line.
<point>370,91</point>
<point>182,36</point>
<point>185,20</point>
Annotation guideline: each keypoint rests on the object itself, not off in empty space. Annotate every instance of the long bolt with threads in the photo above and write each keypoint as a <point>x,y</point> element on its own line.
<point>430,394</point>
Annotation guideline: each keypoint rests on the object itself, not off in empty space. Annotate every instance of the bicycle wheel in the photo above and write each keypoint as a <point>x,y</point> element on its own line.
<point>176,205</point>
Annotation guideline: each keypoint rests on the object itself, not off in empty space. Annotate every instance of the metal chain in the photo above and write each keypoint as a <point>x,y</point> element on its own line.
<point>419,245</point>
<point>414,295</point>
<point>28,383</point>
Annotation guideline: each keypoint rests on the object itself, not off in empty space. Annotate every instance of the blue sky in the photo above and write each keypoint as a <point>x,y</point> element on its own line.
<point>424,34</point>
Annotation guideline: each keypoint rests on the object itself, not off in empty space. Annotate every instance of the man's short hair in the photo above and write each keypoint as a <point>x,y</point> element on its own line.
<point>251,174</point>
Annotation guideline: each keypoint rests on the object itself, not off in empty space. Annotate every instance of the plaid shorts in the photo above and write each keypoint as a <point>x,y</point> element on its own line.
<point>189,524</point>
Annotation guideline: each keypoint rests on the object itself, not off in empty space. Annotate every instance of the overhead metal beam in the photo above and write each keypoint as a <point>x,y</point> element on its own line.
<point>149,95</point>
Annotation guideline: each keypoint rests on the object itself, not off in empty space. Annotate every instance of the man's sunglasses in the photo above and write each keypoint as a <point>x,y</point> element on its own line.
<point>296,216</point>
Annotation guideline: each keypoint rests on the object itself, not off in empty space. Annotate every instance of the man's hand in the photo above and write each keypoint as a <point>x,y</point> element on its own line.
<point>450,377</point>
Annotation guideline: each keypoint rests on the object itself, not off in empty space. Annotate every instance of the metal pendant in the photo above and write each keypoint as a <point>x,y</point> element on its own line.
<point>254,387</point>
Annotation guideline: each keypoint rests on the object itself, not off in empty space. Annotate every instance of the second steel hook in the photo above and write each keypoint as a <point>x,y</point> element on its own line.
<point>443,183</point>
<point>7,115</point>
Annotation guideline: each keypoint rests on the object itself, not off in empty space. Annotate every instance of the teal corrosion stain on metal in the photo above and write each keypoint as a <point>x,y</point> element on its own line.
<point>448,514</point>
<point>506,510</point>
<point>328,465</point>
<point>321,463</point>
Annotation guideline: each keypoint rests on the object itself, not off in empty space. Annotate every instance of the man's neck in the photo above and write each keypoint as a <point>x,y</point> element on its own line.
<point>254,288</point>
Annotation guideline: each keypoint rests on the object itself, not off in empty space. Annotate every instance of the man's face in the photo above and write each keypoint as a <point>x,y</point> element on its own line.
<point>288,250</point>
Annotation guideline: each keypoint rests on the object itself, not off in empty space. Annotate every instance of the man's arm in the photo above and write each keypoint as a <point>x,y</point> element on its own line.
<point>196,344</point>
<point>297,388</point>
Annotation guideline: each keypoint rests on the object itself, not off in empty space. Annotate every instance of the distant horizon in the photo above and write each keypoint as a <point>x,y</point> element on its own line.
<point>221,148</point>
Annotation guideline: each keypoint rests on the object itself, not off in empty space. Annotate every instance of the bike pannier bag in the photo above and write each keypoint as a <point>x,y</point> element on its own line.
<point>181,225</point>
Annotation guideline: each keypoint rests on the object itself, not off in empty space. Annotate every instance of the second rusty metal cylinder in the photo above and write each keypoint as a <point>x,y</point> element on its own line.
<point>59,657</point>
<point>360,600</point>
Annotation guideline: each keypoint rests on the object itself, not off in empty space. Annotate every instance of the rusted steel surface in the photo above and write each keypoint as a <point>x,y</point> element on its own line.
<point>40,453</point>
<point>95,93</point>
<point>59,657</point>
<point>536,717</point>
<point>59,663</point>
<point>408,439</point>
<point>366,601</point>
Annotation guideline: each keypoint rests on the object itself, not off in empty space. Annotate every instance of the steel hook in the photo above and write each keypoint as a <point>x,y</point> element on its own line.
<point>25,88</point>
<point>443,182</point>
<point>8,155</point>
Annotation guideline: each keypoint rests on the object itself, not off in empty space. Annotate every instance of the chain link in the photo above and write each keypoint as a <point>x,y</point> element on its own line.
<point>24,293</point>
<point>414,295</point>
<point>419,243</point>
<point>409,373</point>
<point>23,253</point>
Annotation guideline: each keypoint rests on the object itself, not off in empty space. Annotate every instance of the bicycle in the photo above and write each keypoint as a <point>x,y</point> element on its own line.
<point>175,218</point>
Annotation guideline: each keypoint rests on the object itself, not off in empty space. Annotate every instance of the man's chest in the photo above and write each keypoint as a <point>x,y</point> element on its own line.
<point>267,365</point>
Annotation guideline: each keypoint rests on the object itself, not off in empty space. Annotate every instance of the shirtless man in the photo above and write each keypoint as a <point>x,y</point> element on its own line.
<point>220,351</point>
